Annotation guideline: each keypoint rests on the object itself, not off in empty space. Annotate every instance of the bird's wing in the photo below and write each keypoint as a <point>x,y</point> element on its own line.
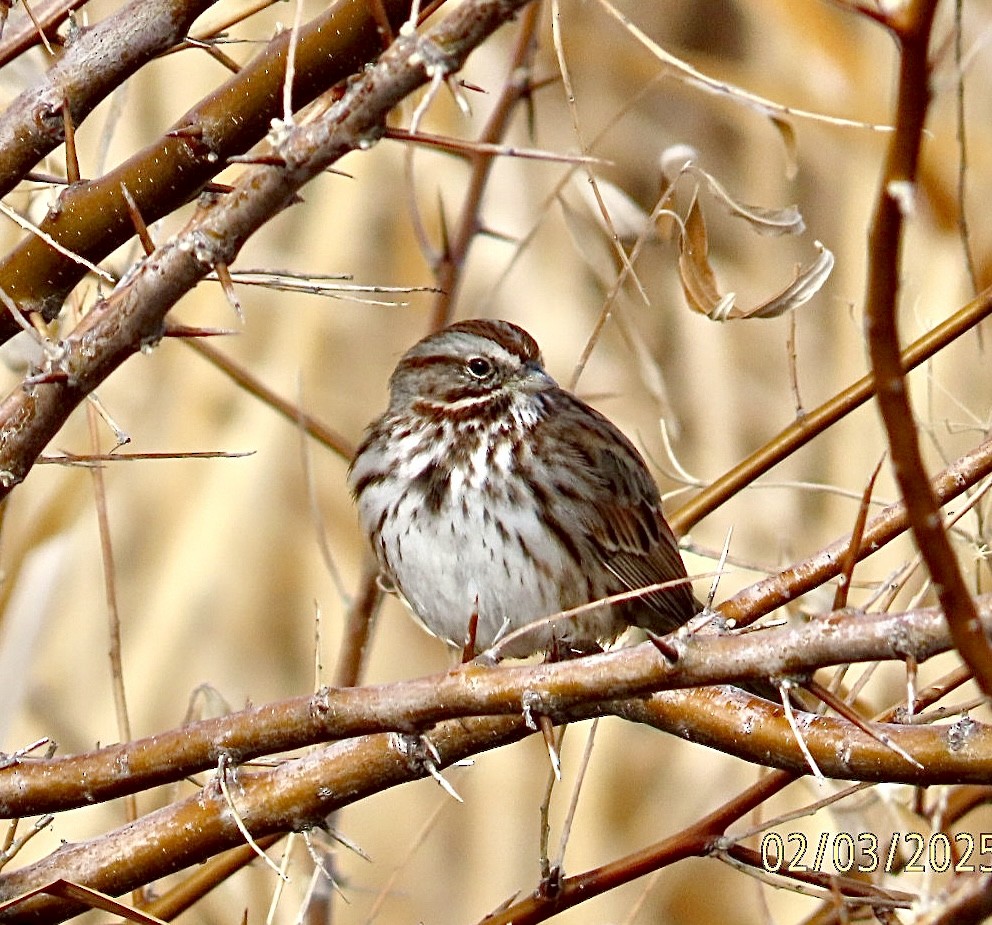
<point>619,511</point>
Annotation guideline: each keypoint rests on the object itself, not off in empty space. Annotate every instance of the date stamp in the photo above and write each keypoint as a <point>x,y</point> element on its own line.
<point>903,852</point>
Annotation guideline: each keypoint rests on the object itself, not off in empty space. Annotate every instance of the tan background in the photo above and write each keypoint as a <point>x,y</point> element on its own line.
<point>217,566</point>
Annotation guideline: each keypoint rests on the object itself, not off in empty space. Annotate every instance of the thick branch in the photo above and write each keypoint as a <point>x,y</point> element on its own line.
<point>39,786</point>
<point>757,731</point>
<point>295,796</point>
<point>298,794</point>
<point>134,314</point>
<point>91,67</point>
<point>92,218</point>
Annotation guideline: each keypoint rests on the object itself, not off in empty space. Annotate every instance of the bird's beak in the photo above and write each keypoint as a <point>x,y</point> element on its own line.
<point>535,379</point>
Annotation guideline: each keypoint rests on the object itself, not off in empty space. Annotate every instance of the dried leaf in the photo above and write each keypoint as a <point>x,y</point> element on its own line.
<point>809,281</point>
<point>702,292</point>
<point>697,276</point>
<point>762,220</point>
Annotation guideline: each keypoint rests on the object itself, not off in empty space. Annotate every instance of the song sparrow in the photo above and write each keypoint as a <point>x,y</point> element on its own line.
<point>487,489</point>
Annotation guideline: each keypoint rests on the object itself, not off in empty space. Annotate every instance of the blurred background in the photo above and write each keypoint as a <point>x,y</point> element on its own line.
<point>219,575</point>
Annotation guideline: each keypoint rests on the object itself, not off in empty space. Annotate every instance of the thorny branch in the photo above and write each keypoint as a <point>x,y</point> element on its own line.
<point>295,796</point>
<point>299,794</point>
<point>764,596</point>
<point>134,314</point>
<point>49,785</point>
<point>472,709</point>
<point>92,218</point>
<point>92,66</point>
<point>46,16</point>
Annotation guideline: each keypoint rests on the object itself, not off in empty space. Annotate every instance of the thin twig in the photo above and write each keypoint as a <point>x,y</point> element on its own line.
<point>254,386</point>
<point>857,535</point>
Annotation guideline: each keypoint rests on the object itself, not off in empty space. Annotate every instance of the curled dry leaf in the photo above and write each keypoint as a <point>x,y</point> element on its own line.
<point>702,292</point>
<point>695,272</point>
<point>763,220</point>
<point>809,280</point>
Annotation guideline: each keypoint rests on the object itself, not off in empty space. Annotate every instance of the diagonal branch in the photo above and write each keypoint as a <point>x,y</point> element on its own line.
<point>296,796</point>
<point>93,219</point>
<point>820,419</point>
<point>764,596</point>
<point>134,314</point>
<point>21,33</point>
<point>91,68</point>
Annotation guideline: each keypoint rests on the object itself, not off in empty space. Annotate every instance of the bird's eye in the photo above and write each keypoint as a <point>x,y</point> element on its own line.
<point>480,367</point>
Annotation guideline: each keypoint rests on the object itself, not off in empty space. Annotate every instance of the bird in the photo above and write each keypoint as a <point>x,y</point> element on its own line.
<point>493,499</point>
